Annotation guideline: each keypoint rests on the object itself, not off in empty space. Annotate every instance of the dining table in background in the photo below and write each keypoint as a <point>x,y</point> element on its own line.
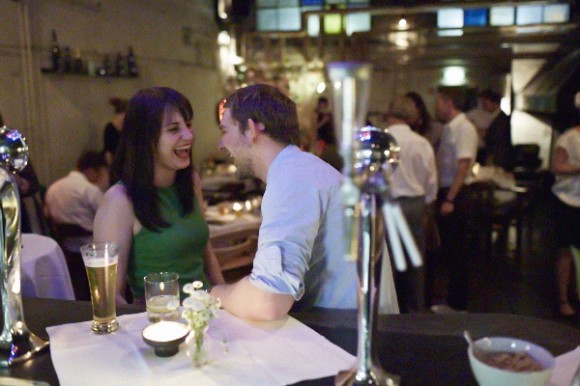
<point>424,349</point>
<point>44,272</point>
<point>222,224</point>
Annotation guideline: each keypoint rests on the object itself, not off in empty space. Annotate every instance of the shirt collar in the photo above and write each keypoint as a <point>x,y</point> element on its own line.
<point>284,154</point>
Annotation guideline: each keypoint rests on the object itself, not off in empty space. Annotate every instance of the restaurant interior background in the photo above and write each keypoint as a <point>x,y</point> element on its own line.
<point>204,48</point>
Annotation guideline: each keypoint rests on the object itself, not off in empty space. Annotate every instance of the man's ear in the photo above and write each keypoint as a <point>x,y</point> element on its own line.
<point>254,130</point>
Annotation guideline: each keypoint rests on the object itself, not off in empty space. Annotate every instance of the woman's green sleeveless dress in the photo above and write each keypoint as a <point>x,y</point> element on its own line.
<point>178,248</point>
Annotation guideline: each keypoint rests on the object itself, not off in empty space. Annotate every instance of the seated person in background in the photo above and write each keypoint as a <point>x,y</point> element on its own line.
<point>300,245</point>
<point>154,212</point>
<point>413,185</point>
<point>75,198</point>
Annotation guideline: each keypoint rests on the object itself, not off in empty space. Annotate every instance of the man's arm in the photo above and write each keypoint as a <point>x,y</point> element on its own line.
<point>462,171</point>
<point>249,302</point>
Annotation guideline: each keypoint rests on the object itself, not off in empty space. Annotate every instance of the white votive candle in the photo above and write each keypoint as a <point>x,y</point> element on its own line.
<point>165,331</point>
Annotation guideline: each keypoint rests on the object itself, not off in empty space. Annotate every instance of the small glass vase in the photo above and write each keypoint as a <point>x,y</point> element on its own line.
<point>199,355</point>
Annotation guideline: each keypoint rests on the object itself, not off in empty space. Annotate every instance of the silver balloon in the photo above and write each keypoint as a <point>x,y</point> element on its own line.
<point>17,343</point>
<point>376,157</point>
<point>13,150</point>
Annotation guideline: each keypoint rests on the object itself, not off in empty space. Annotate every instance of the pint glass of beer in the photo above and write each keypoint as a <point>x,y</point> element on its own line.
<point>101,264</point>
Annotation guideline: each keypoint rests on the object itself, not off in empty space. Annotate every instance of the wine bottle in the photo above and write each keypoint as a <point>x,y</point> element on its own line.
<point>106,69</point>
<point>55,53</point>
<point>67,60</point>
<point>78,65</point>
<point>120,65</point>
<point>132,63</point>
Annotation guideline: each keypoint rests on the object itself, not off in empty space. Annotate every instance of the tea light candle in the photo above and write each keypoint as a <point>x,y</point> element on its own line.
<point>165,331</point>
<point>237,207</point>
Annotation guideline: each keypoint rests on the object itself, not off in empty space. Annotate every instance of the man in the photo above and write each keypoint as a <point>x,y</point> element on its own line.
<point>456,155</point>
<point>413,185</point>
<point>498,143</point>
<point>73,200</point>
<point>300,246</point>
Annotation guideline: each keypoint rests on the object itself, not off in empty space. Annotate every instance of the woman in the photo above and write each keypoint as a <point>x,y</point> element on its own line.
<point>566,188</point>
<point>154,211</point>
<point>425,125</point>
<point>112,131</point>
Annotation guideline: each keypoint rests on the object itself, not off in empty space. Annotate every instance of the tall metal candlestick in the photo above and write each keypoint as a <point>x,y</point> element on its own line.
<point>370,157</point>
<point>17,343</point>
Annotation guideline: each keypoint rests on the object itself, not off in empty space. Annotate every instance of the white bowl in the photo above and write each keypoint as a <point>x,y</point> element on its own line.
<point>487,375</point>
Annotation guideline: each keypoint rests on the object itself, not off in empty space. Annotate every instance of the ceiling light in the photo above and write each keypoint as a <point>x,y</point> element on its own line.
<point>403,23</point>
<point>453,76</point>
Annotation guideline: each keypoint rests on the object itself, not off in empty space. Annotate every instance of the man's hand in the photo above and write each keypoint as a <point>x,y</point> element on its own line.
<point>447,208</point>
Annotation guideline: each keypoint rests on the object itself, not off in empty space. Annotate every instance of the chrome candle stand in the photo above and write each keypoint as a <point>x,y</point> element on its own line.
<point>370,157</point>
<point>17,343</point>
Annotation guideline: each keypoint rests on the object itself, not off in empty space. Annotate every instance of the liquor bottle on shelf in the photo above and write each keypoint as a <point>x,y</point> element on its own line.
<point>67,60</point>
<point>78,65</point>
<point>132,63</point>
<point>106,69</point>
<point>55,53</point>
<point>120,65</point>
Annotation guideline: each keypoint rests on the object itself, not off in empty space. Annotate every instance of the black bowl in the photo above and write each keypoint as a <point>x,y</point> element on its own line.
<point>165,337</point>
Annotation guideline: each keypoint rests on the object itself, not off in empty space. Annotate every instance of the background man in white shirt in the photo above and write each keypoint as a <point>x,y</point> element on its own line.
<point>300,246</point>
<point>456,155</point>
<point>75,198</point>
<point>413,184</point>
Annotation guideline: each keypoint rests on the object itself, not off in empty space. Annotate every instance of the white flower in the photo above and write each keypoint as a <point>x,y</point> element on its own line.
<point>199,307</point>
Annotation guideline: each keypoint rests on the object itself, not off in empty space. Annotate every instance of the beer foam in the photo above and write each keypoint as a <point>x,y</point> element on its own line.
<point>101,261</point>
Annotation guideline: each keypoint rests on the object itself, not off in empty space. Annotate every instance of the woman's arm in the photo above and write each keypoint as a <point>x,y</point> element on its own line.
<point>114,222</point>
<point>560,164</point>
<point>211,265</point>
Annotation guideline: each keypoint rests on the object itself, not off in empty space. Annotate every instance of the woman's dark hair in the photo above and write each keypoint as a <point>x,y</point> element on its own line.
<point>134,162</point>
<point>422,126</point>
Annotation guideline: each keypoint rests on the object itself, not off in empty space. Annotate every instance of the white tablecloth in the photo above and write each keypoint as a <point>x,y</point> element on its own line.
<point>268,353</point>
<point>44,273</point>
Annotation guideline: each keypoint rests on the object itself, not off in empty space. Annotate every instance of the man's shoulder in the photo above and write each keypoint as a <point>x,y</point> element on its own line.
<point>304,171</point>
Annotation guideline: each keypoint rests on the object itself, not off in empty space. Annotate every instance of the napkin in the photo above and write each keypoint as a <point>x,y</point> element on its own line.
<point>240,353</point>
<point>565,367</point>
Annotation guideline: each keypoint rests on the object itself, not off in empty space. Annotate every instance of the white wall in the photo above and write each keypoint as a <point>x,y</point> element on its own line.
<point>67,113</point>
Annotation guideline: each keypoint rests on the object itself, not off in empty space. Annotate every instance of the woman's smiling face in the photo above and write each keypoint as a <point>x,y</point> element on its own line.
<point>174,145</point>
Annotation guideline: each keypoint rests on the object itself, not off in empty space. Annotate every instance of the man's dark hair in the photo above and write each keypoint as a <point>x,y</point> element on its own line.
<point>134,162</point>
<point>454,94</point>
<point>491,95</point>
<point>269,106</point>
<point>91,160</point>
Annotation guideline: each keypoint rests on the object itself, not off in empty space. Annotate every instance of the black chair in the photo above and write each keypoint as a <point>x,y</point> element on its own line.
<point>74,260</point>
<point>526,161</point>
